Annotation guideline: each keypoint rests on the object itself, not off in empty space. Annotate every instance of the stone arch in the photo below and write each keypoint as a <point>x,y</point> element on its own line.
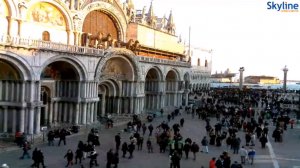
<point>80,68</point>
<point>11,7</point>
<point>158,72</point>
<point>153,89</point>
<point>117,15</point>
<point>20,64</point>
<point>176,72</point>
<point>61,7</point>
<point>123,54</point>
<point>108,93</point>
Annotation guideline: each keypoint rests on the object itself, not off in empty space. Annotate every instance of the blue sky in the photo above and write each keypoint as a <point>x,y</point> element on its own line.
<point>241,33</point>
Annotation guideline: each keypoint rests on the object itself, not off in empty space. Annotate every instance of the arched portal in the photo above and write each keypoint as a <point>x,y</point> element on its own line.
<point>117,75</point>
<point>12,94</point>
<point>171,88</point>
<point>108,93</point>
<point>4,12</point>
<point>99,21</point>
<point>153,99</point>
<point>60,90</point>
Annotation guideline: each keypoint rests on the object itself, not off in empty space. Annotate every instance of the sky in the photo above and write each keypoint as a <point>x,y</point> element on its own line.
<point>241,33</point>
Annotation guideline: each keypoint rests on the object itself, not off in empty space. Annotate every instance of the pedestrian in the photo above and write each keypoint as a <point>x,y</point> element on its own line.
<point>175,160</point>
<point>251,155</point>
<point>243,154</point>
<point>140,143</point>
<point>51,137</point>
<point>124,149</point>
<point>186,149</point>
<point>26,148</point>
<point>219,162</point>
<point>131,148</point>
<point>115,160</point>
<point>69,155</point>
<point>62,136</point>
<point>93,158</point>
<point>109,157</point>
<point>40,158</point>
<point>150,128</point>
<point>118,141</point>
<point>194,149</point>
<point>35,157</point>
<point>144,128</point>
<point>204,144</point>
<point>149,146</point>
<point>78,155</point>
<point>263,140</point>
<point>181,122</point>
<point>212,163</point>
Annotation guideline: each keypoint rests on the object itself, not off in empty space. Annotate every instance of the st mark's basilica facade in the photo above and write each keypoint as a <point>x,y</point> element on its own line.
<point>70,61</point>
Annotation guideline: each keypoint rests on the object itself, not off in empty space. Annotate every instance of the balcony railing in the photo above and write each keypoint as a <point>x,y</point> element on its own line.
<point>163,61</point>
<point>59,47</point>
<point>47,45</point>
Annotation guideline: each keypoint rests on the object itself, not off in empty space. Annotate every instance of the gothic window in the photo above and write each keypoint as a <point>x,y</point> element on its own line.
<point>198,63</point>
<point>206,63</point>
<point>46,36</point>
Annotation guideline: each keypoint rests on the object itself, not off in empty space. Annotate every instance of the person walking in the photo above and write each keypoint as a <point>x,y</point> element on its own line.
<point>51,137</point>
<point>251,155</point>
<point>78,155</point>
<point>109,157</point>
<point>175,160</point>
<point>69,155</point>
<point>40,158</point>
<point>144,128</point>
<point>187,148</point>
<point>243,154</point>
<point>212,163</point>
<point>124,149</point>
<point>34,157</point>
<point>118,141</point>
<point>140,143</point>
<point>93,158</point>
<point>131,148</point>
<point>263,140</point>
<point>204,144</point>
<point>181,122</point>
<point>62,136</point>
<point>115,160</point>
<point>194,149</point>
<point>150,128</point>
<point>149,146</point>
<point>26,148</point>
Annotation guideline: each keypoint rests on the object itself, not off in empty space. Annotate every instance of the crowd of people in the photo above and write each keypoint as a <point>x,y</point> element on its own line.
<point>229,114</point>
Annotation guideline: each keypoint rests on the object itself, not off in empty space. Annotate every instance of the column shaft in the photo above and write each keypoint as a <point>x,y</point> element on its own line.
<point>5,118</point>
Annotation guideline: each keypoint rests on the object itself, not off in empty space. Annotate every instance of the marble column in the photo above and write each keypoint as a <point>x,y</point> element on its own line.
<point>50,114</point>
<point>5,119</point>
<point>30,121</point>
<point>38,120</point>
<point>96,111</point>
<point>65,111</point>
<point>1,86</point>
<point>22,119</point>
<point>71,111</point>
<point>77,113</point>
<point>92,112</point>
<point>84,113</point>
<point>14,120</point>
<point>55,111</point>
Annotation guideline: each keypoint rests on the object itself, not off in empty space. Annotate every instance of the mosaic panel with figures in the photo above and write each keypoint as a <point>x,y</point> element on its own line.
<point>3,8</point>
<point>47,14</point>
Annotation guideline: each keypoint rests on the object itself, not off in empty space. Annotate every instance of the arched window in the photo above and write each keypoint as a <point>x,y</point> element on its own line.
<point>46,36</point>
<point>206,63</point>
<point>198,63</point>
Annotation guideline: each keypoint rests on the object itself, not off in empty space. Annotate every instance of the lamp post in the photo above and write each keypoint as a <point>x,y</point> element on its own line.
<point>285,70</point>
<point>242,69</point>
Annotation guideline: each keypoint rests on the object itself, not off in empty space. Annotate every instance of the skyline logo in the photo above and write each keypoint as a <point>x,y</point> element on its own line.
<point>283,6</point>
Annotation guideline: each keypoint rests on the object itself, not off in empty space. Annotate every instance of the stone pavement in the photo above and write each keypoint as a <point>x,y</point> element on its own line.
<point>284,155</point>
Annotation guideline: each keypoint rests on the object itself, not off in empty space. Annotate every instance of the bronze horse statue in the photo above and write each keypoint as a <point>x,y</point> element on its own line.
<point>95,39</point>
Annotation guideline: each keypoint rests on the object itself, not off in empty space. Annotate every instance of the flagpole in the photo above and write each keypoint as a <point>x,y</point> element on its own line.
<point>190,41</point>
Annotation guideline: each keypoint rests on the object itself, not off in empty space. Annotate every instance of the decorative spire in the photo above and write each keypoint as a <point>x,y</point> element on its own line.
<point>170,24</point>
<point>130,4</point>
<point>150,12</point>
